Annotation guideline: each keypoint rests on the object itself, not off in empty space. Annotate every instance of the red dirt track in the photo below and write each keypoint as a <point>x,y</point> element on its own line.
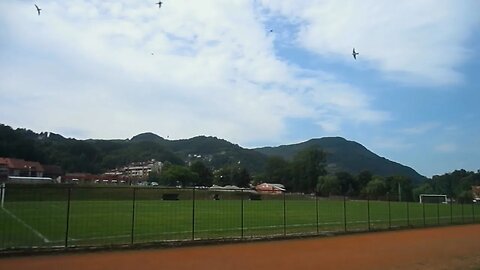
<point>456,247</point>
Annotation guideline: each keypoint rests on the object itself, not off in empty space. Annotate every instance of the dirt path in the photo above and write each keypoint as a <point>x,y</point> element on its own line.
<point>455,247</point>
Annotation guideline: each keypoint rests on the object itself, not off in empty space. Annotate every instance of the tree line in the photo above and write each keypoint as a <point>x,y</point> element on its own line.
<point>306,172</point>
<point>457,184</point>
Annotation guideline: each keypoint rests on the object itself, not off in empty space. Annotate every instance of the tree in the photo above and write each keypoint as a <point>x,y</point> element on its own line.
<point>222,177</point>
<point>425,188</point>
<point>243,178</point>
<point>329,185</point>
<point>205,175</point>
<point>232,175</point>
<point>277,170</point>
<point>363,179</point>
<point>174,175</point>
<point>307,166</point>
<point>444,185</point>
<point>399,188</point>
<point>456,184</point>
<point>376,187</point>
<point>348,183</point>
<point>465,196</point>
<point>154,176</point>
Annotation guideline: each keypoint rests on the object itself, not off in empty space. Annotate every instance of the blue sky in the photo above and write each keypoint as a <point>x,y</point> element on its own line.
<point>112,69</point>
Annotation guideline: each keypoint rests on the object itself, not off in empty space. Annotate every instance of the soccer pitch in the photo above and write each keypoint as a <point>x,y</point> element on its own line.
<point>39,218</point>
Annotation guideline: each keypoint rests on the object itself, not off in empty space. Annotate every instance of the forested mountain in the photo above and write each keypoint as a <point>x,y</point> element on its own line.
<point>96,156</point>
<point>92,156</point>
<point>347,156</point>
<point>211,150</point>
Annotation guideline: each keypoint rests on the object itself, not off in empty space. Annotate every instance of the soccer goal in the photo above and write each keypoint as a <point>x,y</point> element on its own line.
<point>433,198</point>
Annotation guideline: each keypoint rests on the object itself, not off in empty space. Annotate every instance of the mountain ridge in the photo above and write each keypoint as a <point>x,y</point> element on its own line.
<point>345,155</point>
<point>99,155</point>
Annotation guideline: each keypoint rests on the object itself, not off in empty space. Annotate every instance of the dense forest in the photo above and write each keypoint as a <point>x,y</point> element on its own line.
<point>92,156</point>
<point>216,161</point>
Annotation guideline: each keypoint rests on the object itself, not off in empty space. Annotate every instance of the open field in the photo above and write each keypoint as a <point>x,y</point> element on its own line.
<point>54,217</point>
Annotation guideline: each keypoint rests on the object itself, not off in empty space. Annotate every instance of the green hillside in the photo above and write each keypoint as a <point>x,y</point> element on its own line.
<point>96,156</point>
<point>212,151</point>
<point>344,155</point>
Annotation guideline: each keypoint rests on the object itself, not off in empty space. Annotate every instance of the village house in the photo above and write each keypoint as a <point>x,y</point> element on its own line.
<point>476,194</point>
<point>19,170</point>
<point>270,188</point>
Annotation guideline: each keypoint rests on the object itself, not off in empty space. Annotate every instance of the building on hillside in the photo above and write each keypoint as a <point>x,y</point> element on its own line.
<point>141,169</point>
<point>14,170</point>
<point>270,188</point>
<point>476,194</point>
<point>22,168</point>
<point>79,178</point>
<point>3,171</point>
<point>24,171</point>
<point>87,178</point>
<point>137,171</point>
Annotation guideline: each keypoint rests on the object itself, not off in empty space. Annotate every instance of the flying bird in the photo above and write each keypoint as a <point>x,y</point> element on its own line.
<point>159,4</point>
<point>38,10</point>
<point>354,54</point>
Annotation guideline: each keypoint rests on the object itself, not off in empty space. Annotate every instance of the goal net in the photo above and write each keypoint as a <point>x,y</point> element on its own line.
<point>433,198</point>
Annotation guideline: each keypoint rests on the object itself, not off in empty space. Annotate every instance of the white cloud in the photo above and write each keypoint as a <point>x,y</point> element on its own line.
<point>89,65</point>
<point>410,41</point>
<point>420,129</point>
<point>446,147</point>
<point>390,143</point>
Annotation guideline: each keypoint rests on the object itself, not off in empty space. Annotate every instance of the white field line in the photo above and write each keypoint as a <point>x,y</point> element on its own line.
<point>37,233</point>
<point>237,229</point>
<point>55,206</point>
<point>225,230</point>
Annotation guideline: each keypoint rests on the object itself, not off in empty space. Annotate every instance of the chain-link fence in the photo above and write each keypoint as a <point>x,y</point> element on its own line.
<point>80,216</point>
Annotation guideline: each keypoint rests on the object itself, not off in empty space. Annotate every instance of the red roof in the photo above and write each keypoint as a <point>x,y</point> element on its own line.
<point>20,164</point>
<point>268,187</point>
<point>476,191</point>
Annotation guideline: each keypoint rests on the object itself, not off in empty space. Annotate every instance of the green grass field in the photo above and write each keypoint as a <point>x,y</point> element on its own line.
<point>38,217</point>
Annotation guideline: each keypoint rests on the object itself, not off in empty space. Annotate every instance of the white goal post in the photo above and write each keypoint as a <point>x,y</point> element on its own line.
<point>433,198</point>
<point>2,194</point>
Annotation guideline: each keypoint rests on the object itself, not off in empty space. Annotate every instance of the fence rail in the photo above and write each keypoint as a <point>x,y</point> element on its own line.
<point>59,216</point>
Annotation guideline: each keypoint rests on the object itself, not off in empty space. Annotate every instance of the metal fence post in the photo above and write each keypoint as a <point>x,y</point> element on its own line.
<point>368,211</point>
<point>389,212</point>
<point>344,213</point>
<point>193,213</point>
<point>316,211</point>
<point>451,211</point>
<point>423,207</point>
<point>241,214</point>
<point>408,215</point>
<point>284,215</point>
<point>134,195</point>
<point>69,190</point>
<point>473,214</point>
<point>438,212</point>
